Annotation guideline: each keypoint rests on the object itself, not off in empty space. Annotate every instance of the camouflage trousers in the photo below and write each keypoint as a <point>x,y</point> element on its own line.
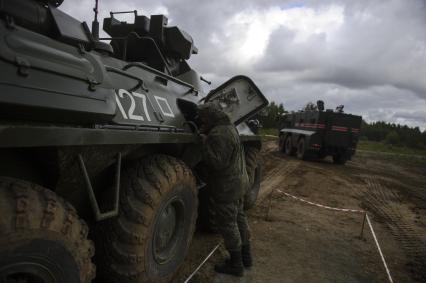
<point>231,222</point>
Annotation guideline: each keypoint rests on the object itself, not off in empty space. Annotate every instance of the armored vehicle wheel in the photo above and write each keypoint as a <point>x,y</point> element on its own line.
<point>254,173</point>
<point>149,239</point>
<point>339,158</point>
<point>41,238</point>
<point>281,143</point>
<point>288,147</point>
<point>301,149</point>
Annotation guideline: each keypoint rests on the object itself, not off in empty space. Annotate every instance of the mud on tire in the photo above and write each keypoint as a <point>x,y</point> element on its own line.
<point>281,143</point>
<point>254,171</point>
<point>301,149</point>
<point>149,239</point>
<point>288,146</point>
<point>41,237</point>
<point>339,159</point>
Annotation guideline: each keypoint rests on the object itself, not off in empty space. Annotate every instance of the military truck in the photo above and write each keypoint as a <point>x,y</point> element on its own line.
<point>315,133</point>
<point>98,145</point>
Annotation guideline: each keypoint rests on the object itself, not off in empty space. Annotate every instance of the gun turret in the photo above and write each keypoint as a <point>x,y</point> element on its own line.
<point>151,41</point>
<point>339,109</point>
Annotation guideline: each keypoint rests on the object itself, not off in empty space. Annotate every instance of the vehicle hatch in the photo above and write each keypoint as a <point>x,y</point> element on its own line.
<point>239,97</point>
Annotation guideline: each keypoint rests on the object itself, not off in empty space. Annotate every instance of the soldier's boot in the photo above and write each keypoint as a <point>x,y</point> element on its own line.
<point>246,255</point>
<point>233,266</point>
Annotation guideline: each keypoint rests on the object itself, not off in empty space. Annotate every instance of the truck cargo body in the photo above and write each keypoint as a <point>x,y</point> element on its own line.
<point>323,133</point>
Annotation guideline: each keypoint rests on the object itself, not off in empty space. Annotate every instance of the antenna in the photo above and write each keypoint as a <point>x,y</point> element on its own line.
<point>95,23</point>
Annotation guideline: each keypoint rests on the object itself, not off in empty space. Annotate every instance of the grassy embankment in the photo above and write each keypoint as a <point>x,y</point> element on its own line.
<point>387,148</point>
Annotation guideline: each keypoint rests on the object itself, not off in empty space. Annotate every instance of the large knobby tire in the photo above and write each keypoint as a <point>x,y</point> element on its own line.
<point>339,159</point>
<point>288,147</point>
<point>41,237</point>
<point>149,239</point>
<point>281,143</point>
<point>254,171</point>
<point>301,149</point>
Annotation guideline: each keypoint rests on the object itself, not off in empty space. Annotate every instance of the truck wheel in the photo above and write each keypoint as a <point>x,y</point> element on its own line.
<point>149,239</point>
<point>254,171</point>
<point>42,240</point>
<point>281,143</point>
<point>339,159</point>
<point>288,147</point>
<point>301,149</point>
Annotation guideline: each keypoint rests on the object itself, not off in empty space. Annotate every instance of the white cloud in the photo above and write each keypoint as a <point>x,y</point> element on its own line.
<point>248,32</point>
<point>161,10</point>
<point>367,54</point>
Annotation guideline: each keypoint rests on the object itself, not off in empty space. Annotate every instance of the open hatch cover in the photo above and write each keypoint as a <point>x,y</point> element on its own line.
<point>239,97</point>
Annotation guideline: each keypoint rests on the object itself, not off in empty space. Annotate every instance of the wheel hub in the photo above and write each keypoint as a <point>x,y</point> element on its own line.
<point>168,230</point>
<point>166,226</point>
<point>300,148</point>
<point>288,146</point>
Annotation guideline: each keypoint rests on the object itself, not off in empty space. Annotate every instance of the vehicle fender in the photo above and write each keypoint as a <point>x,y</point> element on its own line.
<point>296,134</point>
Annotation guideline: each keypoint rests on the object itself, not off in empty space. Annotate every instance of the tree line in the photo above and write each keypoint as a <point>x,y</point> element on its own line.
<point>394,134</point>
<point>390,133</point>
<point>269,117</point>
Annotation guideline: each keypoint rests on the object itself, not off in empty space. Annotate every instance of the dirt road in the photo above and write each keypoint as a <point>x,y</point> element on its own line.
<point>296,242</point>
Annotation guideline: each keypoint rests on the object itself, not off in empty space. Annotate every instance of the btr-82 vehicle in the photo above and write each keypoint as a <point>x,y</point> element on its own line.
<point>313,132</point>
<point>99,145</point>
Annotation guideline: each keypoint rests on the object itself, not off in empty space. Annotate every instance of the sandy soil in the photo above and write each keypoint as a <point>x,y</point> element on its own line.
<point>296,242</point>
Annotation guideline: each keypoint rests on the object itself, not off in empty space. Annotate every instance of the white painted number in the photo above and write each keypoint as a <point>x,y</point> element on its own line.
<point>121,107</point>
<point>162,103</point>
<point>131,112</point>
<point>145,108</point>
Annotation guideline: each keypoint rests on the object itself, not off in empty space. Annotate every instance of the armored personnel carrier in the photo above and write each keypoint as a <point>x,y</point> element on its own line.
<point>98,145</point>
<point>313,132</point>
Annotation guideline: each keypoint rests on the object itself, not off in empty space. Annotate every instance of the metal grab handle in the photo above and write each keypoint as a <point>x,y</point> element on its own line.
<point>99,216</point>
<point>123,12</point>
<point>140,84</point>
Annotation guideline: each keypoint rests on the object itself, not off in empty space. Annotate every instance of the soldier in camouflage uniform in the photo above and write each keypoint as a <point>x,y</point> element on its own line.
<point>223,154</point>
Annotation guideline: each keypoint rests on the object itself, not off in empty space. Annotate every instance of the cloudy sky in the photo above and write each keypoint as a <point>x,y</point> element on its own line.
<point>369,55</point>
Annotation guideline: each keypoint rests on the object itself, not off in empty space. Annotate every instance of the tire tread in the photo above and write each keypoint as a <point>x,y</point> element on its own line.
<point>123,255</point>
<point>37,210</point>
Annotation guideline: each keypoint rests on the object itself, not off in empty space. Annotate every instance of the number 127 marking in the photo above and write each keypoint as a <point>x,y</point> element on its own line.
<point>131,111</point>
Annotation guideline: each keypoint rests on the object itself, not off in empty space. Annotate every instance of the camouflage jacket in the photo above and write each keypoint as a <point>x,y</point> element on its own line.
<point>224,156</point>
